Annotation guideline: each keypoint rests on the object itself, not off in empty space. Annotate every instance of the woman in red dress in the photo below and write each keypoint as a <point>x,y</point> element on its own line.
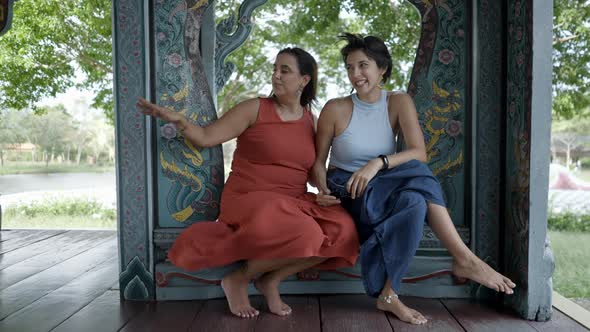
<point>267,218</point>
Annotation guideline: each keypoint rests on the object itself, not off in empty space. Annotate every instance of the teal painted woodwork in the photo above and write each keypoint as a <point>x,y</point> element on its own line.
<point>138,281</point>
<point>438,85</point>
<point>231,33</point>
<point>190,179</point>
<point>475,82</point>
<point>134,199</point>
<point>173,284</point>
<point>487,105</point>
<point>528,88</point>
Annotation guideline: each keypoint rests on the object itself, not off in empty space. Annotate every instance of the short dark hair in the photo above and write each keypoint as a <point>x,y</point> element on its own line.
<point>372,46</point>
<point>307,66</point>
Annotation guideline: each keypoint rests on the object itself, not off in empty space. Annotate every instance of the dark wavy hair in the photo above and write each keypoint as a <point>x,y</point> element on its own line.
<point>372,46</point>
<point>307,66</point>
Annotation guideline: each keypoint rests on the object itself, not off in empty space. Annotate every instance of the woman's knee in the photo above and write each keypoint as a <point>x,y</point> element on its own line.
<point>412,200</point>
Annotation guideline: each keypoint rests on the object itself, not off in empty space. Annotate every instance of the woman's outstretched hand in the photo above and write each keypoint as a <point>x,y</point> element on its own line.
<point>156,111</point>
<point>359,180</point>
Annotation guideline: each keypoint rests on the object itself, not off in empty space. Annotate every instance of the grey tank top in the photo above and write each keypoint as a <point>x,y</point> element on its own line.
<point>368,135</point>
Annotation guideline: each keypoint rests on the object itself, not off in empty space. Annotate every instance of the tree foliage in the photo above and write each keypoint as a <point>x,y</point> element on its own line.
<point>50,40</point>
<point>314,25</point>
<point>54,132</point>
<point>571,58</point>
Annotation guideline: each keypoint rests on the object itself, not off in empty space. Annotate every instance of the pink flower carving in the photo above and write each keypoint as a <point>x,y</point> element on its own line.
<point>446,56</point>
<point>518,33</point>
<point>520,59</point>
<point>175,60</point>
<point>168,131</point>
<point>453,128</point>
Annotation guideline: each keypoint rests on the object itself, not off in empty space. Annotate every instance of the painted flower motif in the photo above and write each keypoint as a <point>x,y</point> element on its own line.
<point>175,60</point>
<point>446,56</point>
<point>517,8</point>
<point>512,108</point>
<point>520,59</point>
<point>460,33</point>
<point>453,128</point>
<point>518,33</point>
<point>168,131</point>
<point>161,36</point>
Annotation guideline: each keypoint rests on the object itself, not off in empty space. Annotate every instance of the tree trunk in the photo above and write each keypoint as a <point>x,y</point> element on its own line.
<point>78,154</point>
<point>568,159</point>
<point>1,158</point>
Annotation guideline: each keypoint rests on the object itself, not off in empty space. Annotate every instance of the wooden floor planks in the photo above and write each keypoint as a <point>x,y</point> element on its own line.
<point>32,288</point>
<point>107,312</point>
<point>53,253</point>
<point>63,281</point>
<point>439,318</point>
<point>343,313</point>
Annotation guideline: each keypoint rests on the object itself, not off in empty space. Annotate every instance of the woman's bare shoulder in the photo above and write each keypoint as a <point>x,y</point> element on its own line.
<point>399,99</point>
<point>397,94</point>
<point>246,110</point>
<point>252,103</point>
<point>337,103</point>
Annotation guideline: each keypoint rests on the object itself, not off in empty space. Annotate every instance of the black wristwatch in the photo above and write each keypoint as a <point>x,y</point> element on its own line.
<point>385,161</point>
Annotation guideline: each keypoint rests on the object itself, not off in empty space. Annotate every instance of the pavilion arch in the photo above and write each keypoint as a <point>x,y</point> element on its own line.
<point>475,83</point>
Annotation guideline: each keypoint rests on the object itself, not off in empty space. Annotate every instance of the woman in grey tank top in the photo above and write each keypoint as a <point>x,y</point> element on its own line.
<point>370,180</point>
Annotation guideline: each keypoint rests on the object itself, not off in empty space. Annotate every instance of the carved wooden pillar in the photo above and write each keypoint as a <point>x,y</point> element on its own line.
<point>528,258</point>
<point>134,199</point>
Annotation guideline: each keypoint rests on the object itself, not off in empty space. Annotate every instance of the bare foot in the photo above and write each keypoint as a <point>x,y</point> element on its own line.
<point>235,287</point>
<point>270,289</point>
<point>477,270</point>
<point>404,313</point>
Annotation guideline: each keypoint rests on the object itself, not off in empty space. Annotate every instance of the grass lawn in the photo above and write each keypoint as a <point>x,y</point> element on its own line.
<point>60,214</point>
<point>38,168</point>
<point>58,222</point>
<point>584,175</point>
<point>572,263</point>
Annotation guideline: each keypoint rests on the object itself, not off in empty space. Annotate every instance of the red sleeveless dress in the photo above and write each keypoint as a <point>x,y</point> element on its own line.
<point>266,212</point>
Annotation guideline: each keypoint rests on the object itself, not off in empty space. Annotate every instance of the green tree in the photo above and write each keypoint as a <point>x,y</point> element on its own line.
<point>570,134</point>
<point>50,39</point>
<point>49,131</point>
<point>571,58</point>
<point>10,131</point>
<point>314,25</point>
<point>48,42</point>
